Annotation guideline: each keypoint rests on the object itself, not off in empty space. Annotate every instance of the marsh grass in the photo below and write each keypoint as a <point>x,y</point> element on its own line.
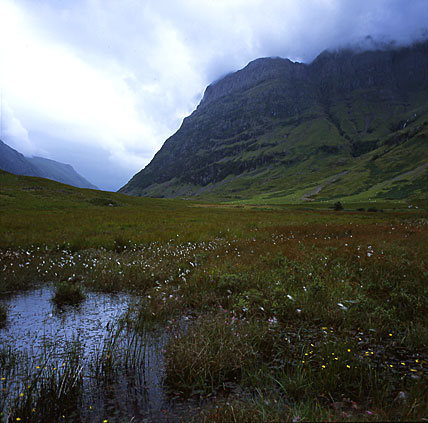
<point>44,388</point>
<point>262,408</point>
<point>68,293</point>
<point>213,353</point>
<point>65,383</point>
<point>122,351</point>
<point>260,288</point>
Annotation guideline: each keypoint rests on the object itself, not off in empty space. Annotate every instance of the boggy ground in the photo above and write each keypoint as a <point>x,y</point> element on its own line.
<point>290,314</point>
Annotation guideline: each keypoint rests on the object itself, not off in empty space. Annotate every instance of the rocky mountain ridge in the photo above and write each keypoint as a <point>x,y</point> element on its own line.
<point>277,129</point>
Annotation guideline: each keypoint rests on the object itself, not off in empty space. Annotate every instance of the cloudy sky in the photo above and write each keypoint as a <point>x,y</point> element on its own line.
<point>100,84</point>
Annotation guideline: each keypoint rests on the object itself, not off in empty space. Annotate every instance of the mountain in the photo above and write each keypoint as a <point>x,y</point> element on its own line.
<point>60,172</point>
<point>350,124</point>
<point>15,162</point>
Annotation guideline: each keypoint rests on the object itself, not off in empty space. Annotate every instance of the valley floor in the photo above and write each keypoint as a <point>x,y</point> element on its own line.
<point>273,314</point>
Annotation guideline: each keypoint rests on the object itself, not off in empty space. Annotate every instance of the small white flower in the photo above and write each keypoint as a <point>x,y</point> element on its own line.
<point>273,321</point>
<point>342,306</point>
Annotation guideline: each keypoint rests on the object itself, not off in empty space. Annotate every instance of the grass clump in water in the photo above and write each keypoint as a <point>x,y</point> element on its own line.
<point>68,292</point>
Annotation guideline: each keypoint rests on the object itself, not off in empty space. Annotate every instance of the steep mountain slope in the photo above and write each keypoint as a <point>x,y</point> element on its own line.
<point>347,125</point>
<point>15,162</point>
<point>60,172</point>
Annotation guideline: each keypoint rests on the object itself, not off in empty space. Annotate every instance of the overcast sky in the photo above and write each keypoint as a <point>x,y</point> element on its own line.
<point>101,84</point>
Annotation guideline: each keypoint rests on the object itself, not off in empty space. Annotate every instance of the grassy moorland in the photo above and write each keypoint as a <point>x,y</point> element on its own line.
<point>291,313</point>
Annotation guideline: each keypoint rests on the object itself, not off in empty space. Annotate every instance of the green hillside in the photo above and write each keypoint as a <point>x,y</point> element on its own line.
<point>349,126</point>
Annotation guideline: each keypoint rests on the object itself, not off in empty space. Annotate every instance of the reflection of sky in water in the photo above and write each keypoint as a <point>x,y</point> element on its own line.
<point>33,318</point>
<point>33,321</point>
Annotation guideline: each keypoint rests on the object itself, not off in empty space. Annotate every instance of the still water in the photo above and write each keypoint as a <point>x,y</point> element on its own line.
<point>33,319</point>
<point>35,323</point>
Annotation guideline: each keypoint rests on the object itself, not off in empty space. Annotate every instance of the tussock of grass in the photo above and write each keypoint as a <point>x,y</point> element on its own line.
<point>213,352</point>
<point>68,292</point>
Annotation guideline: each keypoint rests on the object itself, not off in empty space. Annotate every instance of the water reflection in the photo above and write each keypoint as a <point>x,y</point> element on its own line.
<point>33,318</point>
<point>35,323</point>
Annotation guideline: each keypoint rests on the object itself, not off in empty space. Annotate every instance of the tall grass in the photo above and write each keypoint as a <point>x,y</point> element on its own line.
<point>213,352</point>
<point>65,382</point>
<point>43,388</point>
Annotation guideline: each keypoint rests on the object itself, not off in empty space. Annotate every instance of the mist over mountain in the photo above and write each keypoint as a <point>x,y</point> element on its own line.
<point>14,162</point>
<point>351,124</point>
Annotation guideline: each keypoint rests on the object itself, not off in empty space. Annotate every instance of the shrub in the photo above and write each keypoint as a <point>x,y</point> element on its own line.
<point>338,206</point>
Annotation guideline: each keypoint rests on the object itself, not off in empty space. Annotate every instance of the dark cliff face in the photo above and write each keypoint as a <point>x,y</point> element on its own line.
<point>259,117</point>
<point>345,71</point>
<point>253,74</point>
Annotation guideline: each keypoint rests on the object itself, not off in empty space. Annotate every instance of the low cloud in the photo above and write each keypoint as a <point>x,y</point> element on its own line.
<point>13,133</point>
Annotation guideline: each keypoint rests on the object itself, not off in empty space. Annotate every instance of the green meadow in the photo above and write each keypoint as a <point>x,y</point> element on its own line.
<point>292,312</point>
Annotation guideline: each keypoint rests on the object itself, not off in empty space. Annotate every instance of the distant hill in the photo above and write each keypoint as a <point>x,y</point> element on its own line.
<point>60,172</point>
<point>14,162</point>
<point>350,125</point>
